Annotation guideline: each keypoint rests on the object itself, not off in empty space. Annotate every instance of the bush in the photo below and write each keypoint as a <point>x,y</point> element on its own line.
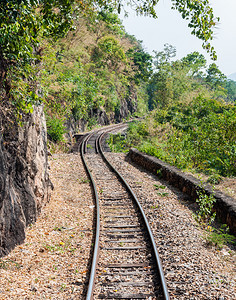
<point>220,237</point>
<point>199,136</point>
<point>56,129</point>
<point>117,143</point>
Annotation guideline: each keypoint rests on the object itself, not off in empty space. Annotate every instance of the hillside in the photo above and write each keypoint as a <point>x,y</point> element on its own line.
<point>95,75</point>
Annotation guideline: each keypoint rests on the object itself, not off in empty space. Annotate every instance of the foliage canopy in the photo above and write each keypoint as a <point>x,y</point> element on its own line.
<point>25,23</point>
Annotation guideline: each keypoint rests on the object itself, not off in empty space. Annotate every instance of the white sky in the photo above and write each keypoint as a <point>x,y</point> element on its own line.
<point>172,29</point>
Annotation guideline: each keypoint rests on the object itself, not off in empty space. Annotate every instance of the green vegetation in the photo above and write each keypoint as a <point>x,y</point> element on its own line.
<point>84,76</point>
<point>200,136</point>
<point>192,124</point>
<point>117,143</point>
<point>75,55</point>
<point>162,194</point>
<point>84,180</point>
<point>159,186</point>
<point>231,88</point>
<point>7,264</point>
<point>23,24</point>
<point>56,129</point>
<point>77,59</point>
<point>220,237</point>
<point>205,212</point>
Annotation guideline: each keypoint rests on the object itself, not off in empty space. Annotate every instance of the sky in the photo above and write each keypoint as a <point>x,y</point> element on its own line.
<point>170,28</point>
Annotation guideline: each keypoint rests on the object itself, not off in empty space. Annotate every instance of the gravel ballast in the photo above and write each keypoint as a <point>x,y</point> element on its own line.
<point>53,261</point>
<point>192,270</point>
<point>225,206</point>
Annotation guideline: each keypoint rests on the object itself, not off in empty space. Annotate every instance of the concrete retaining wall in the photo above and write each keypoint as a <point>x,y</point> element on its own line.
<point>225,206</point>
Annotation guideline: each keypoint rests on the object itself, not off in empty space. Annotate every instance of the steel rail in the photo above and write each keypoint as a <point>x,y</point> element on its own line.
<point>89,294</point>
<point>86,139</point>
<point>86,142</point>
<point>83,150</point>
<point>158,260</point>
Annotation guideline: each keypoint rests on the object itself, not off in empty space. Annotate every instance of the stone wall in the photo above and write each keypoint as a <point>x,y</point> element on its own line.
<point>24,182</point>
<point>225,205</point>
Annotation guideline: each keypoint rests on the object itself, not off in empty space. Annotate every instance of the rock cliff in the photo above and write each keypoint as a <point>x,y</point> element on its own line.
<point>128,106</point>
<point>24,181</point>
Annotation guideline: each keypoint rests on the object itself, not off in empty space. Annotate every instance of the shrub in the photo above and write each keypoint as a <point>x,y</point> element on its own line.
<point>199,136</point>
<point>220,237</point>
<point>205,212</point>
<point>56,129</point>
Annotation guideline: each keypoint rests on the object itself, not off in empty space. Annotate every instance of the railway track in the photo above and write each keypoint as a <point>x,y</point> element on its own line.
<point>125,263</point>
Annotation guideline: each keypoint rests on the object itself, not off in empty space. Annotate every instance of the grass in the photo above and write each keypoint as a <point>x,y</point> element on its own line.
<point>159,186</point>
<point>84,180</point>
<point>6,264</point>
<point>163,194</point>
<point>220,237</point>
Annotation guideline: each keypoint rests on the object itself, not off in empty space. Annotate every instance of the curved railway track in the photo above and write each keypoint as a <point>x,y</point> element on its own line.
<point>125,263</point>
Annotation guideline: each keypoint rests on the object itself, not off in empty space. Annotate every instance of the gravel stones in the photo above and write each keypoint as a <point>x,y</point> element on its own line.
<point>53,261</point>
<point>192,270</point>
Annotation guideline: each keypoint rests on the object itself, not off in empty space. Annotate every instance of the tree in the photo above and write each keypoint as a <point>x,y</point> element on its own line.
<point>195,62</point>
<point>215,78</point>
<point>112,21</point>
<point>108,52</point>
<point>231,89</point>
<point>201,20</point>
<point>164,57</point>
<point>142,61</point>
<point>199,14</point>
<point>174,80</point>
<point>23,23</point>
<point>160,88</point>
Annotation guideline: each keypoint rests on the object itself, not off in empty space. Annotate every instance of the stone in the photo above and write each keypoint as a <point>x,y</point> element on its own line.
<point>24,181</point>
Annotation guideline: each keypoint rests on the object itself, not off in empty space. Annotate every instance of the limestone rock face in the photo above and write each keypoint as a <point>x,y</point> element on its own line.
<point>24,182</point>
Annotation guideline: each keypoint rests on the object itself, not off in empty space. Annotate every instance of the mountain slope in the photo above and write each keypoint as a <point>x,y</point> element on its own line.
<point>94,75</point>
